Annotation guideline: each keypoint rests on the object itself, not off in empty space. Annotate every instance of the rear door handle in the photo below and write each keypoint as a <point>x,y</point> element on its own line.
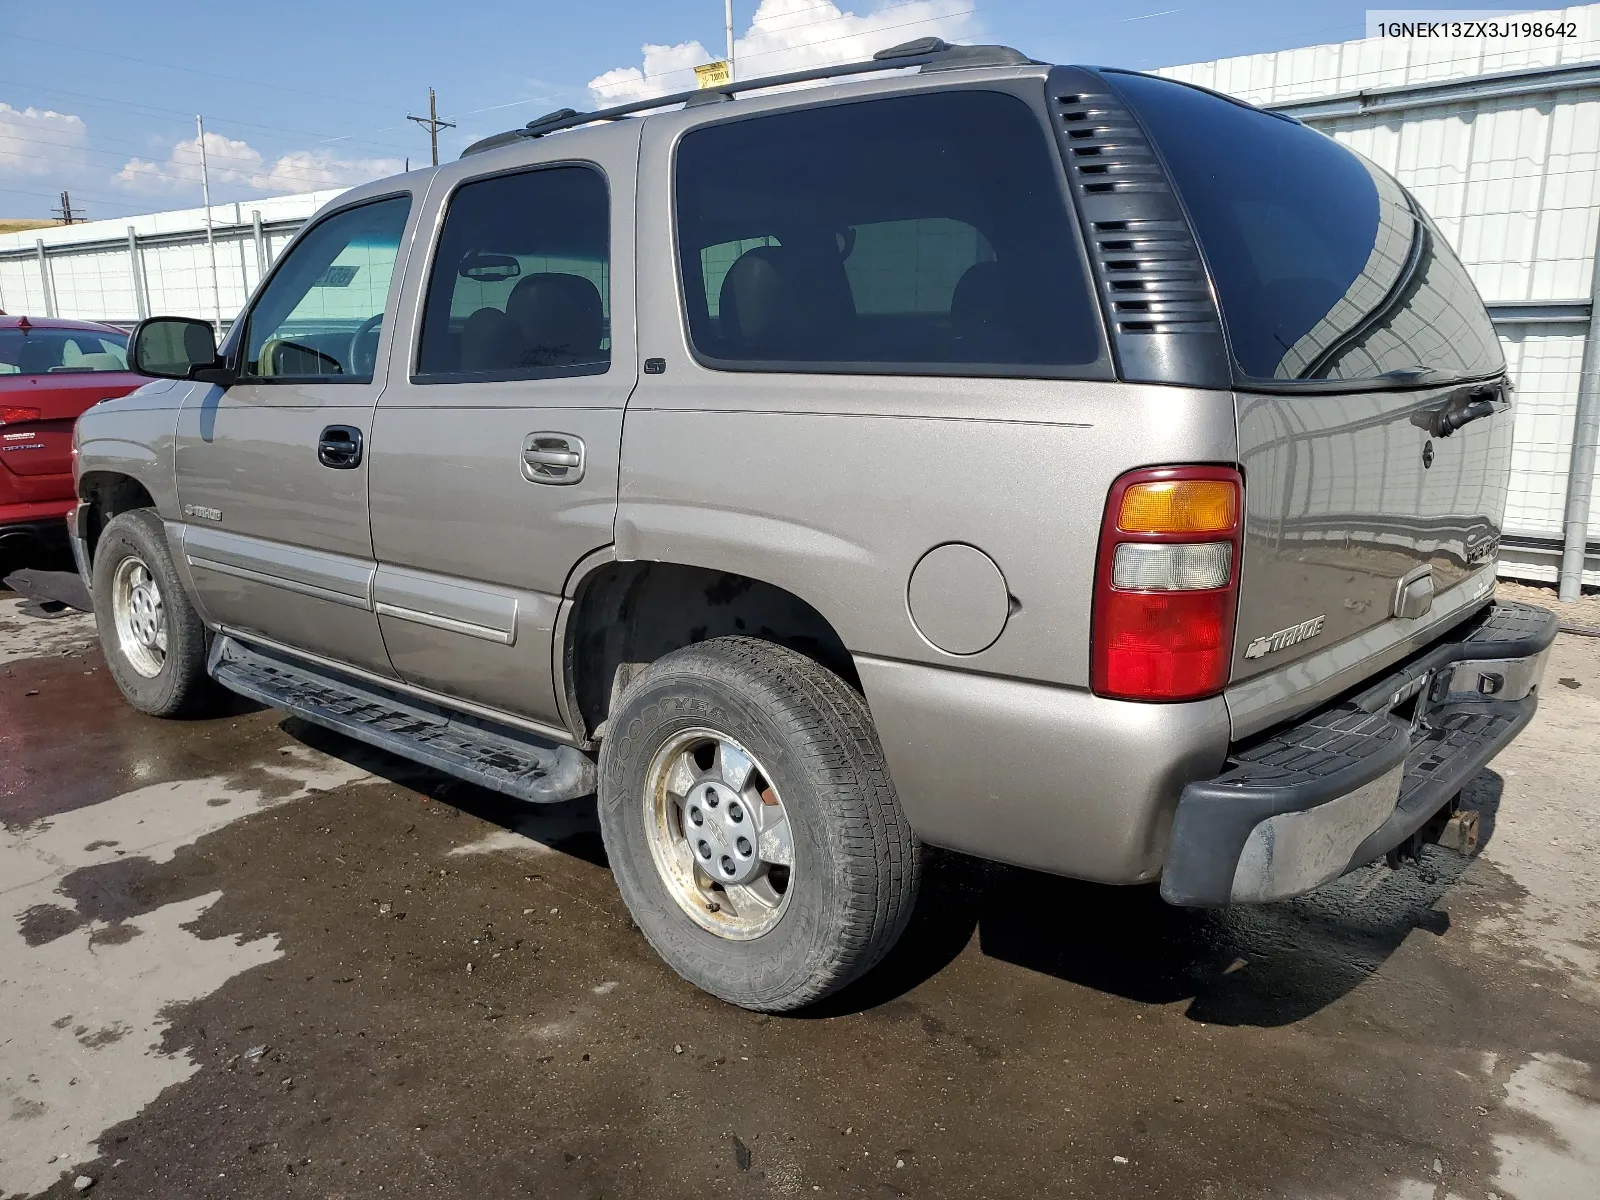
<point>556,458</point>
<point>339,447</point>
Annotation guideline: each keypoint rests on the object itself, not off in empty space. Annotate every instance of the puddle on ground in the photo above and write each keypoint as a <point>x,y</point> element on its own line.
<point>89,967</point>
<point>1555,1154</point>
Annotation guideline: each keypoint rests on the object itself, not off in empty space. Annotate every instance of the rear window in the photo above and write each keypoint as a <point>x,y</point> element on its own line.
<point>61,352</point>
<point>1325,268</point>
<point>917,234</point>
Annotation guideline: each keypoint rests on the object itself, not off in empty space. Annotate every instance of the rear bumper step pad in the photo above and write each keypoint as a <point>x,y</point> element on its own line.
<point>504,759</point>
<point>1350,783</point>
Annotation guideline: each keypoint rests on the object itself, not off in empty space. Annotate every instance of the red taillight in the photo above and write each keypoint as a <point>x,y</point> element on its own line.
<point>12,415</point>
<point>1164,607</point>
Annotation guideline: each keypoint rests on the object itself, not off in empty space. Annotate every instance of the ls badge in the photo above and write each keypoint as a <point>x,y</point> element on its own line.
<point>1274,642</point>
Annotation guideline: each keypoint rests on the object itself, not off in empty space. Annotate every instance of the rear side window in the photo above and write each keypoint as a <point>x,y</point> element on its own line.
<point>1325,268</point>
<point>919,234</point>
<point>521,282</point>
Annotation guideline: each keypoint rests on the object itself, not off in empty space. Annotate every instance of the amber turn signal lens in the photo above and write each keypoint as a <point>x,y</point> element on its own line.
<point>1179,506</point>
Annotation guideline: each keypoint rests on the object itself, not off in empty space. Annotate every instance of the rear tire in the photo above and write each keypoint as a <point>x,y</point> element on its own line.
<point>807,769</point>
<point>154,641</point>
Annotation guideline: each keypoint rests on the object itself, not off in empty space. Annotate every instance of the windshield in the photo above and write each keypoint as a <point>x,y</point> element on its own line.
<point>1324,267</point>
<point>61,351</point>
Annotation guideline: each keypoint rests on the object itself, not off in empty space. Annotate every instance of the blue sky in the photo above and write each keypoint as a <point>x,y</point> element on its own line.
<point>99,97</point>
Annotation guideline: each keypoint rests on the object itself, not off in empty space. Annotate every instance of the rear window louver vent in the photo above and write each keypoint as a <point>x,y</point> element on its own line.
<point>1147,266</point>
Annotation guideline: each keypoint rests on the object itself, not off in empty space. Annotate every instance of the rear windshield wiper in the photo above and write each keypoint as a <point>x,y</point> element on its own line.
<point>1461,408</point>
<point>1408,374</point>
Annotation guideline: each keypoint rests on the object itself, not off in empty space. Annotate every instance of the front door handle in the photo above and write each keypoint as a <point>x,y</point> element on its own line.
<point>339,447</point>
<point>552,458</point>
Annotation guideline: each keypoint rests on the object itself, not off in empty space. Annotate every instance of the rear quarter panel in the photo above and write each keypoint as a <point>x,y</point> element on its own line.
<point>835,487</point>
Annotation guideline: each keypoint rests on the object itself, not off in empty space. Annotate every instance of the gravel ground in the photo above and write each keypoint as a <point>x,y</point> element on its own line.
<point>240,957</point>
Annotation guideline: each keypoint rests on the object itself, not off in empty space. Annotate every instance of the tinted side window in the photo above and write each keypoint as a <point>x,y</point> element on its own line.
<point>521,282</point>
<point>321,311</point>
<point>1324,266</point>
<point>916,234</point>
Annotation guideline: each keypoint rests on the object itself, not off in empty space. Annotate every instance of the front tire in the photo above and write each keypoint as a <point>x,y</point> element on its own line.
<point>154,642</point>
<point>736,737</point>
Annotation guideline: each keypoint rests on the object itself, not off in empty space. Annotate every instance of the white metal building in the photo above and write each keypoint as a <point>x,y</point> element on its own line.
<point>123,270</point>
<point>1500,141</point>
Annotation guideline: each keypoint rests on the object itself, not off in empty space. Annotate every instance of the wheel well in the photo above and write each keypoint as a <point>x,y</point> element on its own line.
<point>108,494</point>
<point>627,615</point>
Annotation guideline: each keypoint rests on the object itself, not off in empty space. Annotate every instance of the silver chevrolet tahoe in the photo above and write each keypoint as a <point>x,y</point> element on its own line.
<point>1065,466</point>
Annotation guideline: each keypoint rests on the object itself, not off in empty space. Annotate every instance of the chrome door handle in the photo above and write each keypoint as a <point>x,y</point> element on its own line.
<point>552,458</point>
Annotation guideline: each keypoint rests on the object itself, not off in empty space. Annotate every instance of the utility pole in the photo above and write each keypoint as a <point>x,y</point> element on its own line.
<point>68,214</point>
<point>432,124</point>
<point>727,28</point>
<point>211,241</point>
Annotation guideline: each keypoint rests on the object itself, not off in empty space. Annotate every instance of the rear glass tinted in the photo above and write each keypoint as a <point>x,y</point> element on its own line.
<point>61,352</point>
<point>1324,266</point>
<point>920,234</point>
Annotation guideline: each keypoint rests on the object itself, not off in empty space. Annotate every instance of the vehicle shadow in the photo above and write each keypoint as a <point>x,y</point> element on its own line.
<point>43,553</point>
<point>1259,965</point>
<point>570,827</point>
<point>1262,965</point>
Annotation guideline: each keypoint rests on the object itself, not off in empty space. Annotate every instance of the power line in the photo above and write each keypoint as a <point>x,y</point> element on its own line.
<point>85,100</point>
<point>249,164</point>
<point>231,78</point>
<point>432,124</point>
<point>262,168</point>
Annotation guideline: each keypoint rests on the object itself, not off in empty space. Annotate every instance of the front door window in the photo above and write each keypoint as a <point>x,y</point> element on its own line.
<point>321,313</point>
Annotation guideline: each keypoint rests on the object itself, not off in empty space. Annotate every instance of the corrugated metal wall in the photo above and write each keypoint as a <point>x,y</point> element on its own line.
<point>1514,184</point>
<point>92,271</point>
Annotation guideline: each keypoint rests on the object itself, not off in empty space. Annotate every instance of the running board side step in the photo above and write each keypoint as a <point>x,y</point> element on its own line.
<point>501,758</point>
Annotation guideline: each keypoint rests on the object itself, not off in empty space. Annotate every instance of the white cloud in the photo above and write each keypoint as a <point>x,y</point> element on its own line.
<point>229,161</point>
<point>789,35</point>
<point>37,141</point>
<point>308,170</point>
<point>236,165</point>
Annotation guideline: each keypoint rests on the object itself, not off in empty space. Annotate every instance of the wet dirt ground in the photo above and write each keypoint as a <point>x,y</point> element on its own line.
<point>240,957</point>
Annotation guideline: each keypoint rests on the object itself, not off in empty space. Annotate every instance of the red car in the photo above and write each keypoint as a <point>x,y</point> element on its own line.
<point>50,371</point>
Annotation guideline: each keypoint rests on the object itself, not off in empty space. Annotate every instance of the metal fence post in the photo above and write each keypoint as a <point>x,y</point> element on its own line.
<point>261,244</point>
<point>141,301</point>
<point>44,279</point>
<point>1585,434</point>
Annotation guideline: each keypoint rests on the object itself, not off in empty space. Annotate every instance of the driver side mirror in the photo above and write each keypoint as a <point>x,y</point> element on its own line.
<point>177,348</point>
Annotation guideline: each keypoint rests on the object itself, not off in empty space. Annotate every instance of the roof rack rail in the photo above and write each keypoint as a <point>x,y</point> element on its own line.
<point>929,53</point>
